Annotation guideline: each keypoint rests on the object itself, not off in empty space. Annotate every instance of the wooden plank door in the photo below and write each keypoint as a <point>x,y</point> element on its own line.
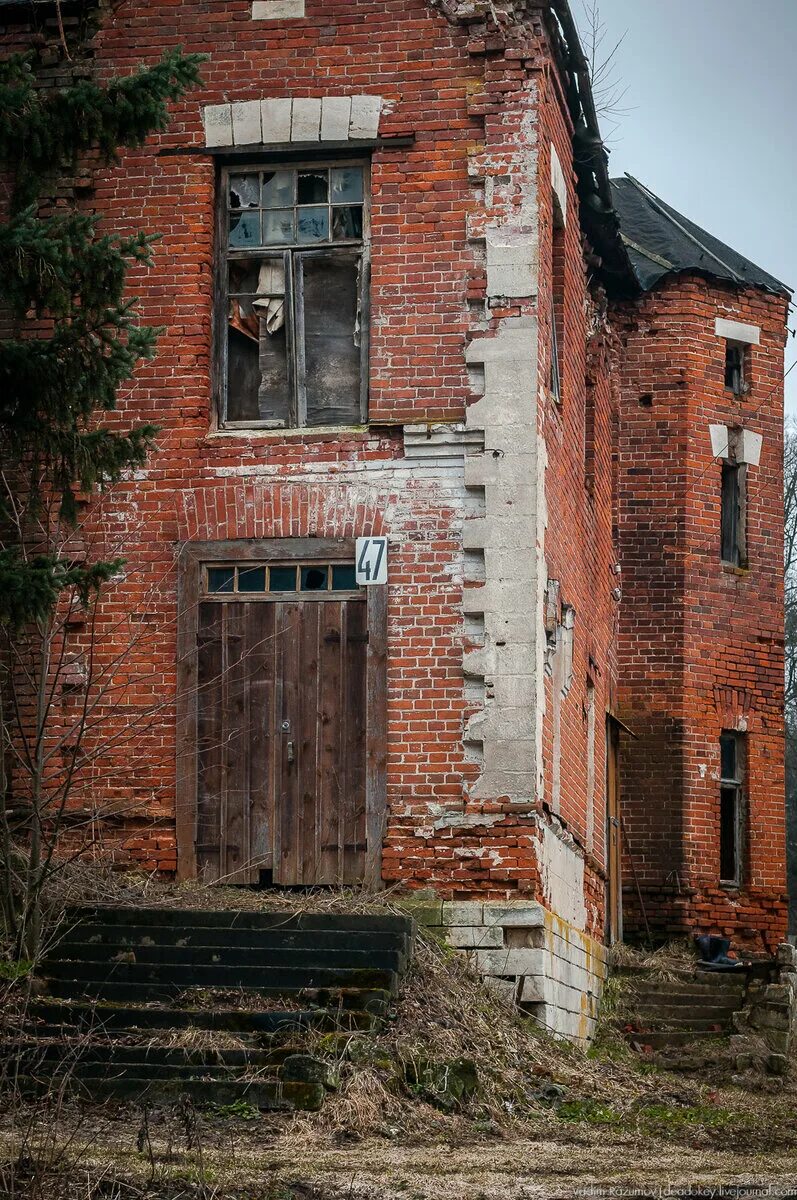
<point>614,889</point>
<point>235,705</point>
<point>320,810</point>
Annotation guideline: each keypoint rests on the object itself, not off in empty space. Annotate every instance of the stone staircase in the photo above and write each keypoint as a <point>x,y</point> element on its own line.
<point>666,1016</point>
<point>220,1006</point>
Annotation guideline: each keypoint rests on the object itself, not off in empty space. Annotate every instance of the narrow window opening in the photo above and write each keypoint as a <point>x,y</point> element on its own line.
<point>557,302</point>
<point>732,764</point>
<point>736,367</point>
<point>733,518</point>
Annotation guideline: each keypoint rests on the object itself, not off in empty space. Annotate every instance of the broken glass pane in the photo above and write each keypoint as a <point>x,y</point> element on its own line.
<point>347,222</point>
<point>251,579</point>
<point>277,226</point>
<point>312,187</point>
<point>331,338</point>
<point>221,579</point>
<point>314,579</point>
<point>344,578</point>
<point>244,190</point>
<point>313,224</point>
<point>282,579</point>
<point>278,189</point>
<point>245,229</point>
<point>346,185</point>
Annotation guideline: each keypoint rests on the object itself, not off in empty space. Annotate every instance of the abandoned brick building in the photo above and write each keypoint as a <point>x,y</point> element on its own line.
<point>402,299</point>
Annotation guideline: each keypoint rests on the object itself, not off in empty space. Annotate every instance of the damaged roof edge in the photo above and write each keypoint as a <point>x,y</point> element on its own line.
<point>661,241</point>
<point>590,157</point>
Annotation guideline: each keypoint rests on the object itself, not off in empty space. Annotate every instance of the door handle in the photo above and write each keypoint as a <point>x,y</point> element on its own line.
<point>290,752</point>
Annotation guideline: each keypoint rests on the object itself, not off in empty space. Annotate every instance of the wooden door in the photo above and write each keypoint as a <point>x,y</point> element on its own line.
<point>281,740</point>
<point>614,899</point>
<point>319,818</point>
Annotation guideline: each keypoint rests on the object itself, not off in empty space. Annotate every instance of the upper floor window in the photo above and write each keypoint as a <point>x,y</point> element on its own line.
<point>736,355</point>
<point>293,337</point>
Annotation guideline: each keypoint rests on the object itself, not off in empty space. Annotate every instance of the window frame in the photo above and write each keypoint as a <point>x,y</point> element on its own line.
<point>739,385</point>
<point>733,521</point>
<point>735,787</point>
<point>297,407</point>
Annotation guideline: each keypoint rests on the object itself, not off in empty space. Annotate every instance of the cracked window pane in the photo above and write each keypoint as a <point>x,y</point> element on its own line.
<point>347,223</point>
<point>277,226</point>
<point>245,229</point>
<point>314,579</point>
<point>313,224</point>
<point>346,185</point>
<point>244,191</point>
<point>312,187</point>
<point>278,189</point>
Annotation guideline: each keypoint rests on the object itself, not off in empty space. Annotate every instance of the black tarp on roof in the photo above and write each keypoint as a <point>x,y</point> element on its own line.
<point>660,241</point>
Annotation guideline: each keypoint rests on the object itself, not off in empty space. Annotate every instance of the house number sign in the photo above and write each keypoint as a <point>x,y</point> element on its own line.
<point>371,560</point>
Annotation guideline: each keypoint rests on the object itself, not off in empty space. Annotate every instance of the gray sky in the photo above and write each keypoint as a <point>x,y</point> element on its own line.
<point>709,122</point>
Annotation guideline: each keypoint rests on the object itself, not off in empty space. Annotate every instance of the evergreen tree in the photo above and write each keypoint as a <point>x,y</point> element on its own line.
<point>73,337</point>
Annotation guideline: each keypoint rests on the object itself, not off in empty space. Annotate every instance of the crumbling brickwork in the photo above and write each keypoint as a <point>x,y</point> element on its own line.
<point>537,452</point>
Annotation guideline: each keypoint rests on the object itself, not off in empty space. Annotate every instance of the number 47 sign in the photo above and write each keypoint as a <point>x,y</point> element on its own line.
<point>371,560</point>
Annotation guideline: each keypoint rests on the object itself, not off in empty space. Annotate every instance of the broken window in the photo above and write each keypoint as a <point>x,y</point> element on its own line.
<point>295,296</point>
<point>557,300</point>
<point>736,367</point>
<point>733,514</point>
<point>732,755</point>
<point>264,580</point>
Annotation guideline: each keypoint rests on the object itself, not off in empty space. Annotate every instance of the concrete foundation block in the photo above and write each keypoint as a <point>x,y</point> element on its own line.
<point>510,962</point>
<point>533,990</point>
<point>462,912</point>
<point>506,988</point>
<point>425,911</point>
<point>528,915</point>
<point>475,937</point>
<point>787,955</point>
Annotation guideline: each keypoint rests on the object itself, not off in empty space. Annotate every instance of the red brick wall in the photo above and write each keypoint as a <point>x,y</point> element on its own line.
<point>701,643</point>
<point>579,548</point>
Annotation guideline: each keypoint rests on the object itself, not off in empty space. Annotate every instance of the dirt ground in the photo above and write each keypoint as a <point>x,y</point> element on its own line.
<point>117,1154</point>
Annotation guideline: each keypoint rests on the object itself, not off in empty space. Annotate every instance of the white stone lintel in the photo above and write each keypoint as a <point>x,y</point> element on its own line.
<point>737,331</point>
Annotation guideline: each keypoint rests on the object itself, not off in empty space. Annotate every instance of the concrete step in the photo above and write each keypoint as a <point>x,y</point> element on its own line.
<point>642,1020</point>
<point>211,937</point>
<point>55,1017</point>
<point>226,919</point>
<point>686,987</point>
<point>681,1006</point>
<point>658,1038</point>
<point>247,957</point>
<point>96,978</point>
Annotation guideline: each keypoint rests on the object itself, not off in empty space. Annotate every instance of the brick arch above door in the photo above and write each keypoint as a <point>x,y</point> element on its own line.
<point>260,509</point>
